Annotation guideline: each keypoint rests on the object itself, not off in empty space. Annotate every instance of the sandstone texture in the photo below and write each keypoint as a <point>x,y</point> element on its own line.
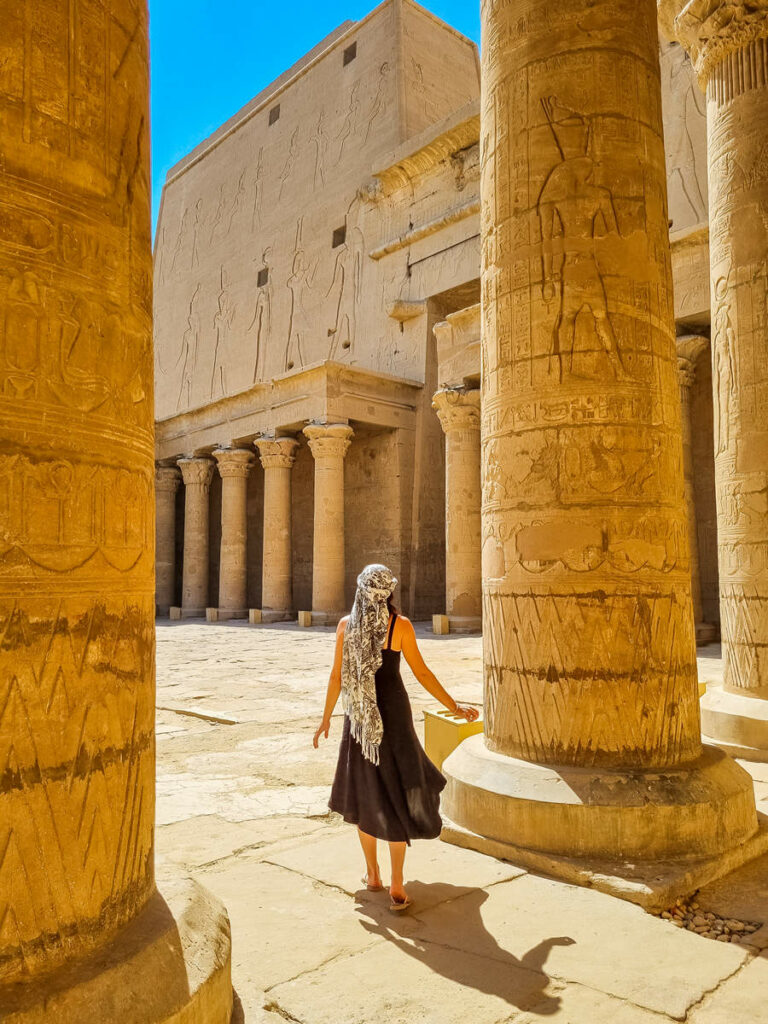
<point>80,914</point>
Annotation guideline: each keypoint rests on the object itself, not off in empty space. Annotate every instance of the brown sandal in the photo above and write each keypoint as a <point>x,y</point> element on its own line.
<point>398,906</point>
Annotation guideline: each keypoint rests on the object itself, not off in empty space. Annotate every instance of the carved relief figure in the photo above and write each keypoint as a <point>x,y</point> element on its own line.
<point>21,334</point>
<point>293,152</point>
<point>189,348</point>
<point>725,367</point>
<point>420,89</point>
<point>320,142</point>
<point>379,105</point>
<point>689,113</point>
<point>262,318</point>
<point>573,208</point>
<point>345,288</point>
<point>300,283</point>
<point>258,189</point>
<point>181,238</point>
<point>349,125</point>
<point>218,217</point>
<point>222,324</point>
<point>196,228</point>
<point>237,201</point>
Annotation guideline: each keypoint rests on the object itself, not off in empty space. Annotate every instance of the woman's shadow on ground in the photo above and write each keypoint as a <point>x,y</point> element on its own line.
<point>453,941</point>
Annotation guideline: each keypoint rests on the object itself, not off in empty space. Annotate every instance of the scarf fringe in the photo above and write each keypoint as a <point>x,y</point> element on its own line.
<point>369,747</point>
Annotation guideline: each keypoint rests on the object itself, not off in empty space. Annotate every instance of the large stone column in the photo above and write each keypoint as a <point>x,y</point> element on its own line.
<point>728,44</point>
<point>277,459</point>
<point>459,412</point>
<point>329,443</point>
<point>167,480</point>
<point>234,467</point>
<point>80,916</point>
<point>592,745</point>
<point>689,348</point>
<point>197,474</point>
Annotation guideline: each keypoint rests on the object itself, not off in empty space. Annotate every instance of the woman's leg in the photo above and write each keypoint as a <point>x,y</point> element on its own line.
<point>397,855</point>
<point>368,844</point>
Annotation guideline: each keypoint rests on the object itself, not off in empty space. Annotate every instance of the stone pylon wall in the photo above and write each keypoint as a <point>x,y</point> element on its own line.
<point>76,479</point>
<point>590,653</point>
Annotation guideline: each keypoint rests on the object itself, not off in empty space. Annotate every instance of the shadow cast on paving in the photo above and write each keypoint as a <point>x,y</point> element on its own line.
<point>448,955</point>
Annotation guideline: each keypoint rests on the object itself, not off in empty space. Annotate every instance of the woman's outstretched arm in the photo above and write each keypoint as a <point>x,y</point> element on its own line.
<point>334,685</point>
<point>427,677</point>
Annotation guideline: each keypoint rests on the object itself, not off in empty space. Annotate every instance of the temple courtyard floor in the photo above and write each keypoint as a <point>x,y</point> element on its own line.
<point>242,806</point>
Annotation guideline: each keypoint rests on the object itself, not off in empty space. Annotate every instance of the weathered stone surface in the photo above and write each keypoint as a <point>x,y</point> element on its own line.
<point>234,465</point>
<point>84,934</point>
<point>741,998</point>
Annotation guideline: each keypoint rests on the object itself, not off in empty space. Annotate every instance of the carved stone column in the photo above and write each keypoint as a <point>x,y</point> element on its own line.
<point>234,467</point>
<point>329,443</point>
<point>728,44</point>
<point>277,459</point>
<point>459,413</point>
<point>689,348</point>
<point>197,474</point>
<point>81,918</point>
<point>592,745</point>
<point>167,480</point>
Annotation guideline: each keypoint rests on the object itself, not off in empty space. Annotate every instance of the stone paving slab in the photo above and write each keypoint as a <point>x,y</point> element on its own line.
<point>403,982</point>
<point>741,1000</point>
<point>436,872</point>
<point>283,925</point>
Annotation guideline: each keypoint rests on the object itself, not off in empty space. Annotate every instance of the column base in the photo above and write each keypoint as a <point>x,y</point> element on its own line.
<point>225,614</point>
<point>327,618</point>
<point>637,834</point>
<point>706,633</point>
<point>736,723</point>
<point>170,965</point>
<point>162,611</point>
<point>272,615</point>
<point>464,624</point>
<point>192,613</point>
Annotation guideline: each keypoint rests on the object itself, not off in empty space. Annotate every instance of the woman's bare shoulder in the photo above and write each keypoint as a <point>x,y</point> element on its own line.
<point>342,625</point>
<point>404,623</point>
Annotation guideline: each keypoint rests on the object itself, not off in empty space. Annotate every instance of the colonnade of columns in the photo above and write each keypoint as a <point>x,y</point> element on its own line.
<point>592,744</point>
<point>458,409</point>
<point>329,443</point>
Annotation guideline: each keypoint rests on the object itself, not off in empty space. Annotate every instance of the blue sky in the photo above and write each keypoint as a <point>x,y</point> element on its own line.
<point>209,57</point>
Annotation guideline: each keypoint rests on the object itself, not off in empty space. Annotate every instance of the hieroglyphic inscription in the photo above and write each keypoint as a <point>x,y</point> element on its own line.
<point>587,605</point>
<point>76,471</point>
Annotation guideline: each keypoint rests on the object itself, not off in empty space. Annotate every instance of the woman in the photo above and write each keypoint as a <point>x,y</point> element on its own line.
<point>385,783</point>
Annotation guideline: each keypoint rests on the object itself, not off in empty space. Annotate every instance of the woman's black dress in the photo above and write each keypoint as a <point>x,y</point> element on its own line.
<point>399,799</point>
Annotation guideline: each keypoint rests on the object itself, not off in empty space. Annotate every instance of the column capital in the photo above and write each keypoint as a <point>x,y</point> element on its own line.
<point>457,408</point>
<point>196,471</point>
<point>329,440</point>
<point>234,462</point>
<point>710,30</point>
<point>276,452</point>
<point>167,478</point>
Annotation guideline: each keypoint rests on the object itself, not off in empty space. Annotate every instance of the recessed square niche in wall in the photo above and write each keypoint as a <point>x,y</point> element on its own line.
<point>349,54</point>
<point>339,237</point>
<point>262,277</point>
<point>274,114</point>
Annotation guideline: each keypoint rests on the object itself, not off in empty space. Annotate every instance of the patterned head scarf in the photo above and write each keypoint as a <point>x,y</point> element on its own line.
<point>364,638</point>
